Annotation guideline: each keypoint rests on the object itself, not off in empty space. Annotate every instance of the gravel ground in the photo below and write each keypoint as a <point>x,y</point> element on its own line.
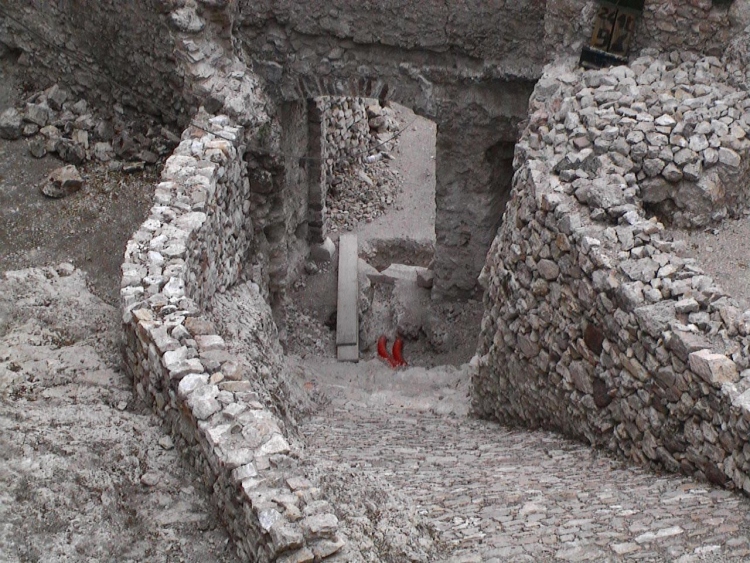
<point>724,253</point>
<point>86,473</point>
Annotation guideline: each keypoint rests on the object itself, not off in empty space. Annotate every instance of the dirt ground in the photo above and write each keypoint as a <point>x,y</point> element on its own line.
<point>724,253</point>
<point>88,229</point>
<point>86,472</point>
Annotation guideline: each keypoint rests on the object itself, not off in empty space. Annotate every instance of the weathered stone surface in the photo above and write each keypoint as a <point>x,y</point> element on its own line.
<point>11,122</point>
<point>62,182</point>
<point>713,368</point>
<point>685,343</point>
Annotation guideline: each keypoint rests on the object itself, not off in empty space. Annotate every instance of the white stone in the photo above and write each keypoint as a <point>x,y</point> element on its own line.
<point>713,368</point>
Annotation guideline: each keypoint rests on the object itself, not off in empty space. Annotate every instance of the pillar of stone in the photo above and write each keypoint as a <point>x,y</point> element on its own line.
<point>316,173</point>
<point>474,151</point>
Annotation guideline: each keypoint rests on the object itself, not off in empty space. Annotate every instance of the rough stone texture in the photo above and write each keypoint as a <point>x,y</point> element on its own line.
<point>629,346</point>
<point>97,50</point>
<point>474,86</point>
<point>191,248</point>
<point>587,309</point>
<point>699,26</point>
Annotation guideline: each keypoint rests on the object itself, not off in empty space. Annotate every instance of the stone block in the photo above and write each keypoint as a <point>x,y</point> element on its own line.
<point>322,253</point>
<point>654,319</point>
<point>286,536</point>
<point>713,368</point>
<point>320,525</point>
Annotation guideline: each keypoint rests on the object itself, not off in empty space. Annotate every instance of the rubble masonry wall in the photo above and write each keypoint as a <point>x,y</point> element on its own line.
<point>193,245</point>
<point>595,325</point>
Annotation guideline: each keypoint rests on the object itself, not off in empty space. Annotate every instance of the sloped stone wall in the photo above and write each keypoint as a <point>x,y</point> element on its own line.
<point>594,323</point>
<point>192,246</point>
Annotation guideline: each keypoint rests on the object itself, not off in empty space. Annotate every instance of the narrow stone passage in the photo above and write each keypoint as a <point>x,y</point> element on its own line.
<point>498,494</point>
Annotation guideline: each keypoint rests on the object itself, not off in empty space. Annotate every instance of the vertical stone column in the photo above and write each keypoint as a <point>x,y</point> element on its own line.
<point>462,212</point>
<point>473,179</point>
<point>476,134</point>
<point>316,173</point>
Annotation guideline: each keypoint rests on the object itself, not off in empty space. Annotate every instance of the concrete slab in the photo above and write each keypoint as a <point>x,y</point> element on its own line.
<point>347,353</point>
<point>347,318</point>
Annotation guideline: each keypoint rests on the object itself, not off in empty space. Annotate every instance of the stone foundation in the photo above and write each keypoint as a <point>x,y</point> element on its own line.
<point>594,325</point>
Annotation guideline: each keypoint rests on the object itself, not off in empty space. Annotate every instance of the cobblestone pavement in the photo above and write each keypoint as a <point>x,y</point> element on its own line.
<point>499,494</point>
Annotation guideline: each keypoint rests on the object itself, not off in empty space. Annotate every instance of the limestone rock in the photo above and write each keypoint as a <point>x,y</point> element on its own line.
<point>11,124</point>
<point>713,368</point>
<point>62,182</point>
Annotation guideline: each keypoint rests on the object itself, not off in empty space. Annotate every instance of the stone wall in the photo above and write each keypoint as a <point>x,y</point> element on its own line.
<point>594,323</point>
<point>102,50</point>
<point>192,246</point>
<point>700,26</point>
<point>347,131</point>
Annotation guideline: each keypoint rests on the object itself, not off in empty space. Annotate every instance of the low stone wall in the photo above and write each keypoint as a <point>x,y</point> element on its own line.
<point>193,245</point>
<point>594,324</point>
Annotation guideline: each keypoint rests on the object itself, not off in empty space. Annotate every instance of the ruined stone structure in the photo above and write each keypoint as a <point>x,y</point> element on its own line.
<point>593,324</point>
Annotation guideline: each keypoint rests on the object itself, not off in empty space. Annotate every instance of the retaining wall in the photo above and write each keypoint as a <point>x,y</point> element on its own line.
<point>595,325</point>
<point>193,245</point>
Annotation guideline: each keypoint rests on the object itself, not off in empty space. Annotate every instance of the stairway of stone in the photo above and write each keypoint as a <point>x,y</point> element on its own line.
<point>489,493</point>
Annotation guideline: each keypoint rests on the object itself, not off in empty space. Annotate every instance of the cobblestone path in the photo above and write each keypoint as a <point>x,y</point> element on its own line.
<point>499,494</point>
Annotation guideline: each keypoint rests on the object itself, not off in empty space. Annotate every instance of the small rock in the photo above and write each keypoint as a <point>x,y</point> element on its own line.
<point>37,114</point>
<point>37,147</point>
<point>11,122</point>
<point>323,252</point>
<point>69,151</point>
<point>62,182</point>
<point>729,157</point>
<point>65,269</point>
<point>150,478</point>
<point>166,442</point>
<point>133,167</point>
<point>148,157</point>
<point>30,129</point>
<point>56,97</point>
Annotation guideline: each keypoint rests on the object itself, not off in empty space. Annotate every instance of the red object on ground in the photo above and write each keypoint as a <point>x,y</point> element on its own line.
<point>398,352</point>
<point>383,351</point>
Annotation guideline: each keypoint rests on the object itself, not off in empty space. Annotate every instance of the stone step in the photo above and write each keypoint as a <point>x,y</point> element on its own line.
<point>347,319</point>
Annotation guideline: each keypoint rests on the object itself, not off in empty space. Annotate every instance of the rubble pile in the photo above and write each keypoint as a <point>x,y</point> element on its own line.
<point>360,184</point>
<point>362,195</point>
<point>52,122</point>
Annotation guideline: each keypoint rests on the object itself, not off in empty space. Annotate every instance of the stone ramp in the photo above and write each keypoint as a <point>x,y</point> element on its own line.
<point>497,494</point>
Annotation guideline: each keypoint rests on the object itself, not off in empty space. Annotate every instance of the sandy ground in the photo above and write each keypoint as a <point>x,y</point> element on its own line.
<point>723,252</point>
<point>86,472</point>
<point>412,218</point>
